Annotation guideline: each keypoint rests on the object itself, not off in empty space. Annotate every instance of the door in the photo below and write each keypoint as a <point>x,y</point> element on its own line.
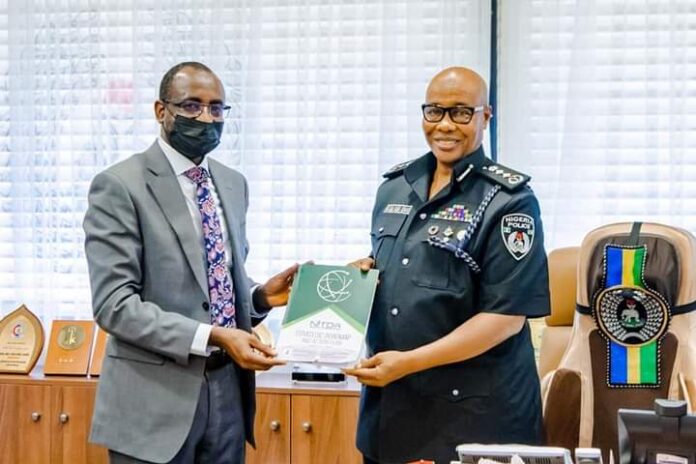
<point>25,424</point>
<point>71,416</point>
<point>271,429</point>
<point>323,429</point>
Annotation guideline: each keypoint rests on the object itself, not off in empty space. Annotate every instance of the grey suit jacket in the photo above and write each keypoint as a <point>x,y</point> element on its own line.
<point>149,292</point>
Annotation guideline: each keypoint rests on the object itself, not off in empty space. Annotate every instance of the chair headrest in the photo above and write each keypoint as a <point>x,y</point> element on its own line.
<point>563,265</point>
<point>670,264</point>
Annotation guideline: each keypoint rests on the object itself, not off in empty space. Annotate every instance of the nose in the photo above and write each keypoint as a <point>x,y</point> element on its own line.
<point>205,115</point>
<point>446,124</point>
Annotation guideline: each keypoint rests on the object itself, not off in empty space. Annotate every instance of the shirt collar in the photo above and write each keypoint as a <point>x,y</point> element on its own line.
<point>180,164</point>
<point>477,159</point>
<point>420,172</point>
<point>425,165</point>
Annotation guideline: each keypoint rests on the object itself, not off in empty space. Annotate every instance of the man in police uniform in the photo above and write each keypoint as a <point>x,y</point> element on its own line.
<point>459,245</point>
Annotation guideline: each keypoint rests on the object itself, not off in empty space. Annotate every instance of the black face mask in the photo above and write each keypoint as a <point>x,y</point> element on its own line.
<point>193,138</point>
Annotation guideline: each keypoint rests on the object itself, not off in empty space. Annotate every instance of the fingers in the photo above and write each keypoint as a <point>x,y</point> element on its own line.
<point>258,362</point>
<point>369,363</point>
<point>370,382</point>
<point>262,347</point>
<point>249,352</point>
<point>362,365</point>
<point>288,273</point>
<point>365,376</point>
<point>366,264</point>
<point>365,368</point>
<point>259,357</point>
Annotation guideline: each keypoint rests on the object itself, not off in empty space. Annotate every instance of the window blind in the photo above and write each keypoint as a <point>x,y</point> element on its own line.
<point>598,104</point>
<point>326,96</point>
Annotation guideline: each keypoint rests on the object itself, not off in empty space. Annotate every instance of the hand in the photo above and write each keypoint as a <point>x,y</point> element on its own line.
<point>276,291</point>
<point>364,264</point>
<point>381,369</point>
<point>247,350</point>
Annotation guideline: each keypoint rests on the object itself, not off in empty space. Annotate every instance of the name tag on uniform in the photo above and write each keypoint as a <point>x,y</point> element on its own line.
<point>398,209</point>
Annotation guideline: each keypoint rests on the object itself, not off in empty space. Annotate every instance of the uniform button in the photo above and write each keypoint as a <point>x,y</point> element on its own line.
<point>423,215</point>
<point>455,392</point>
<point>405,261</point>
<point>381,229</point>
<point>205,306</point>
<point>395,311</point>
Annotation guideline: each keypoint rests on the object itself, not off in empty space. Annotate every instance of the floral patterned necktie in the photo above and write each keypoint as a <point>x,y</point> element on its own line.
<point>220,286</point>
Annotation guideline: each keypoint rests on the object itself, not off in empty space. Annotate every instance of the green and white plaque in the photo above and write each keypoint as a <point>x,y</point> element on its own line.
<point>327,315</point>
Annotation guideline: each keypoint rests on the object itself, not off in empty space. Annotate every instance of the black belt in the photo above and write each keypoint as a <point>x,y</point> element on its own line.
<point>216,360</point>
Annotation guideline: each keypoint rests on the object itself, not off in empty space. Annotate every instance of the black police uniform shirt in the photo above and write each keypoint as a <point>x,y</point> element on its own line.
<point>477,246</point>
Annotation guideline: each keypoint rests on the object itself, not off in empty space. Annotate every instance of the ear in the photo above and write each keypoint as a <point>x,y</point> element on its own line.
<point>159,111</point>
<point>488,112</point>
<point>487,115</point>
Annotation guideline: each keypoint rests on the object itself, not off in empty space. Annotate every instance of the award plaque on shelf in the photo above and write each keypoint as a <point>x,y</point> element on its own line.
<point>69,347</point>
<point>21,341</point>
<point>98,353</point>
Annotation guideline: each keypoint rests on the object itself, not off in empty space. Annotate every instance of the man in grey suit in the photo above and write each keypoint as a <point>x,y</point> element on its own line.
<point>166,245</point>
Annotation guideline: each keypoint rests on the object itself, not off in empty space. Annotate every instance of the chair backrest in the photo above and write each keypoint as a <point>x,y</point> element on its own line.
<point>634,332</point>
<point>563,264</point>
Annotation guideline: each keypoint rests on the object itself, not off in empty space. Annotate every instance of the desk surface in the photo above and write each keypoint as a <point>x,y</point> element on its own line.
<point>266,382</point>
<point>271,382</point>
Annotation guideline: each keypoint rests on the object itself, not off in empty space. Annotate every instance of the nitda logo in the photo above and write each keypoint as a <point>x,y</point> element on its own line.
<point>326,325</point>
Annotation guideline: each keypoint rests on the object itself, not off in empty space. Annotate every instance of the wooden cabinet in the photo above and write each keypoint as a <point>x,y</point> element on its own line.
<point>46,420</point>
<point>304,425</point>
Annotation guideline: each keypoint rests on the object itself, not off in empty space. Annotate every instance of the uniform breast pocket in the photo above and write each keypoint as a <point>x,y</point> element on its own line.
<point>384,232</point>
<point>434,266</point>
<point>437,267</point>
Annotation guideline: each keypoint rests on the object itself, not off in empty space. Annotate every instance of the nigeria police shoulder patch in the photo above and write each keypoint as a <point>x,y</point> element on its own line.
<point>518,234</point>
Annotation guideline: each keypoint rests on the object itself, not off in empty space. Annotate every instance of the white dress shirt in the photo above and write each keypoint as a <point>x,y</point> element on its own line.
<point>180,164</point>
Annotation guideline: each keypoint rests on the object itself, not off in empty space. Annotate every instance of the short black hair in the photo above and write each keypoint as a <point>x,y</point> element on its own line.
<point>166,84</point>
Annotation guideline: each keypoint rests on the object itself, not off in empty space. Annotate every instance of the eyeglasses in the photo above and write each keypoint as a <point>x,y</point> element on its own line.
<point>459,114</point>
<point>193,108</point>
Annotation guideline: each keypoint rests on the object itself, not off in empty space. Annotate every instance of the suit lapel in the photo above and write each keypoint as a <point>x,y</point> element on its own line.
<point>164,186</point>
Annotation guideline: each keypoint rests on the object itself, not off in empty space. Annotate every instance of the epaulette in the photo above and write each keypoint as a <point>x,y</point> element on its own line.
<point>503,175</point>
<point>396,170</point>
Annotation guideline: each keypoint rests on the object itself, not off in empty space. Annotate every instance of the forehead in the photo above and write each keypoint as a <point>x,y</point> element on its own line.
<point>196,84</point>
<point>449,92</point>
